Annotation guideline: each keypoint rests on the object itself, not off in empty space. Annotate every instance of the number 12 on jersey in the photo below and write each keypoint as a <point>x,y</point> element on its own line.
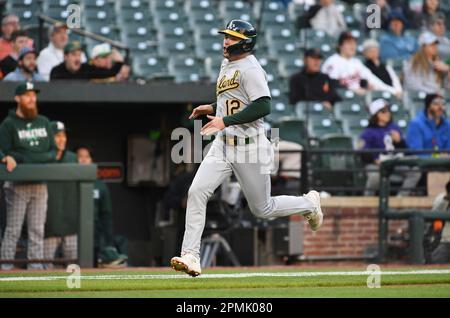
<point>233,106</point>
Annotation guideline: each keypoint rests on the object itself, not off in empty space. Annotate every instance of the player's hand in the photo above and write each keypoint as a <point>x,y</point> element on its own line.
<point>11,164</point>
<point>201,110</point>
<point>216,124</point>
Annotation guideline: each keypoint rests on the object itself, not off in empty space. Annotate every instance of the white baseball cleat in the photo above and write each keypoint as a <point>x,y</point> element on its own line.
<point>187,263</point>
<point>315,218</point>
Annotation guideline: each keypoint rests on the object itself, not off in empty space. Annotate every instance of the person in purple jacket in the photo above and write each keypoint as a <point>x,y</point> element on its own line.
<point>383,133</point>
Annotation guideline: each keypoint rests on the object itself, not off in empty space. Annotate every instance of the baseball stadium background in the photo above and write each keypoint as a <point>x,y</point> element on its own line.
<point>174,52</point>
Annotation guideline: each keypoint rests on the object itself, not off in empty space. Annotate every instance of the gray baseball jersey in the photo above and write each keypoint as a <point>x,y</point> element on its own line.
<point>240,83</point>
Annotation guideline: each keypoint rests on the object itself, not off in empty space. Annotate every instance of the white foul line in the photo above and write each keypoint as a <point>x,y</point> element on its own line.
<point>239,275</point>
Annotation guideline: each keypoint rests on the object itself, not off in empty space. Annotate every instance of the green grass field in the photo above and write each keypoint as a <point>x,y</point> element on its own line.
<point>242,283</point>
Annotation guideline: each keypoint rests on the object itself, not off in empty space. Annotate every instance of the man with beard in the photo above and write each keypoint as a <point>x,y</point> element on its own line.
<point>28,138</point>
<point>26,70</point>
<point>73,69</point>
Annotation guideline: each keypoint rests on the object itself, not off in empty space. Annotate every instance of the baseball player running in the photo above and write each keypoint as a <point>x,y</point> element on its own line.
<point>240,147</point>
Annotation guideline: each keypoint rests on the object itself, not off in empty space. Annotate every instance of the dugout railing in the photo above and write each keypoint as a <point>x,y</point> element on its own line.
<point>416,218</point>
<point>84,176</point>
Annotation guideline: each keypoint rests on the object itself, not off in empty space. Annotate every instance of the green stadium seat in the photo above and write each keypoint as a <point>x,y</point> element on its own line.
<point>26,15</point>
<point>186,69</point>
<point>229,10</point>
<point>109,31</point>
<point>291,129</point>
<point>349,108</point>
<point>57,13</point>
<point>279,108</point>
<point>150,66</point>
<point>131,5</point>
<point>142,46</point>
<point>283,46</point>
<point>288,65</point>
<point>199,20</point>
<point>206,46</point>
<point>165,5</point>
<point>335,161</point>
<point>324,126</point>
<point>212,66</point>
<point>191,6</point>
<point>134,18</point>
<point>354,126</point>
<point>313,111</point>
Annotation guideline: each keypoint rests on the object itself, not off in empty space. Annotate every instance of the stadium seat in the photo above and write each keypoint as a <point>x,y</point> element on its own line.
<point>349,108</point>
<point>353,126</point>
<point>212,66</point>
<point>291,129</point>
<point>199,20</point>
<point>27,15</point>
<point>150,66</point>
<point>57,4</point>
<point>134,18</point>
<point>324,126</point>
<point>279,108</point>
<point>235,10</point>
<point>198,6</point>
<point>288,65</point>
<point>313,111</point>
<point>331,162</point>
<point>208,46</point>
<point>186,69</point>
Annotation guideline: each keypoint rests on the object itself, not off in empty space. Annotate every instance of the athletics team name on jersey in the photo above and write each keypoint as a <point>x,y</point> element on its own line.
<point>224,84</point>
<point>32,134</point>
<point>239,84</point>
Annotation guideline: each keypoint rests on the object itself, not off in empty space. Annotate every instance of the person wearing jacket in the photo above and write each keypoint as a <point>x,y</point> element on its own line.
<point>383,133</point>
<point>395,44</point>
<point>27,137</point>
<point>425,71</point>
<point>61,226</point>
<point>430,129</point>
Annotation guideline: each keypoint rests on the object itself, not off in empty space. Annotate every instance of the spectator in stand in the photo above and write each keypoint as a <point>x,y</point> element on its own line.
<point>382,133</point>
<point>325,16</point>
<point>103,56</point>
<point>395,44</point>
<point>19,41</point>
<point>53,54</point>
<point>430,129</point>
<point>26,70</point>
<point>441,203</point>
<point>438,28</point>
<point>310,84</point>
<point>350,72</point>
<point>27,137</point>
<point>429,9</point>
<point>425,71</point>
<point>73,69</point>
<point>10,23</point>
<point>371,51</point>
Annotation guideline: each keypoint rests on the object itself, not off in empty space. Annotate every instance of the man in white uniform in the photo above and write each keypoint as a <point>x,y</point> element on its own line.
<point>240,147</point>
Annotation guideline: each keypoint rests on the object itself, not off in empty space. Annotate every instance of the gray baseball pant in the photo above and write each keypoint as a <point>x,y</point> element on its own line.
<point>254,177</point>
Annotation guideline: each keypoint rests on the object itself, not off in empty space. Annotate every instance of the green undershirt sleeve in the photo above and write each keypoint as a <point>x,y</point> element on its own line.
<point>256,110</point>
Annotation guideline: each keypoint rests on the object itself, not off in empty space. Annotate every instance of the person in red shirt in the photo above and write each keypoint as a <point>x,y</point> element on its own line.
<point>10,23</point>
